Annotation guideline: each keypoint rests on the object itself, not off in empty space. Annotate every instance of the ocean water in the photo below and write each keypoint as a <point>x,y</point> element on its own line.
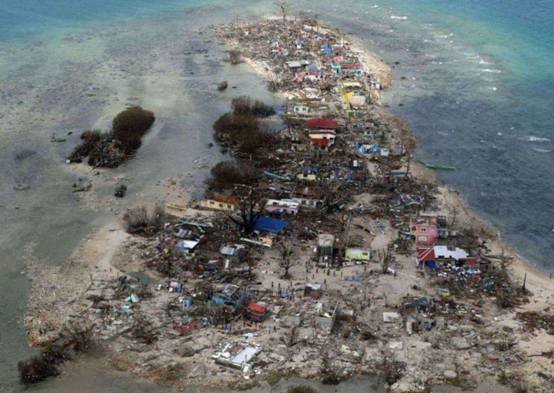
<point>483,101</point>
<point>473,78</point>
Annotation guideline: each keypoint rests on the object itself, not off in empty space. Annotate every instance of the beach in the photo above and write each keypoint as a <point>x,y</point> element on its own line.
<point>104,256</point>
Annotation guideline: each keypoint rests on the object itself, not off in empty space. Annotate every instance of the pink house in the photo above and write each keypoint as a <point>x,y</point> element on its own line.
<point>426,232</point>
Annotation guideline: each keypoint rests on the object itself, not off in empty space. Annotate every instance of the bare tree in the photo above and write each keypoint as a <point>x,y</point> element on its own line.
<point>328,374</point>
<point>453,218</point>
<point>386,260</point>
<point>250,210</point>
<point>286,258</point>
<point>408,145</point>
<point>332,195</point>
<point>284,8</point>
<point>235,56</point>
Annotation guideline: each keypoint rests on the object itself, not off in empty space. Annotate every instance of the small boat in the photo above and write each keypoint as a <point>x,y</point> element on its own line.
<point>438,167</point>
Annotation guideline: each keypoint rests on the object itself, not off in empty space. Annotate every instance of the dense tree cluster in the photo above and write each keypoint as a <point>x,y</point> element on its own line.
<point>113,148</point>
<point>227,174</point>
<point>241,128</point>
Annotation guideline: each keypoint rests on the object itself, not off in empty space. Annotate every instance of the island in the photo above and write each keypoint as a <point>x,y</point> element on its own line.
<point>321,249</point>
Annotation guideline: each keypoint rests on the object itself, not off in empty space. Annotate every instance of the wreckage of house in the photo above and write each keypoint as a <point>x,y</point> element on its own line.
<point>237,355</point>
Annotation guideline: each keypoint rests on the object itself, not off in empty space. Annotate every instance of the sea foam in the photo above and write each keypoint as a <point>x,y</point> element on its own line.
<point>538,139</point>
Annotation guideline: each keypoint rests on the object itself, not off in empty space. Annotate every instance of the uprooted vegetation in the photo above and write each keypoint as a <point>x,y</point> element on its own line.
<point>139,221</point>
<point>493,281</point>
<point>46,364</point>
<point>111,149</point>
<point>536,320</point>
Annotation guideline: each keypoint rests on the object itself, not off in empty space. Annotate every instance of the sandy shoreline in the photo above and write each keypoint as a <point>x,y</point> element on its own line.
<point>536,278</point>
<point>101,258</point>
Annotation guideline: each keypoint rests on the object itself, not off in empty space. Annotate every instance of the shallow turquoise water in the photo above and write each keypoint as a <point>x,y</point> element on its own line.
<point>27,18</point>
<point>478,91</point>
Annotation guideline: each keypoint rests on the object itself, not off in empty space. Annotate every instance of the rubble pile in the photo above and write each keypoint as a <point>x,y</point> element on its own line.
<point>536,321</point>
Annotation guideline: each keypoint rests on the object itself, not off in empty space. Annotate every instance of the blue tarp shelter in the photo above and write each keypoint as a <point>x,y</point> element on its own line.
<point>270,224</point>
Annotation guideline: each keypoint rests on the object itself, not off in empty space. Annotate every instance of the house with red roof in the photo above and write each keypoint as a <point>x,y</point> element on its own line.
<point>348,68</point>
<point>431,255</point>
<point>322,124</point>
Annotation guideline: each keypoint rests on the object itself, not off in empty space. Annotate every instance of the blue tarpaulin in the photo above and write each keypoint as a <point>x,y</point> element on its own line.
<point>270,224</point>
<point>431,264</point>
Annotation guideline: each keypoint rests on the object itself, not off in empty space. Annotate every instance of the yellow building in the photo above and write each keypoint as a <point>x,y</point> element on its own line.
<point>216,205</point>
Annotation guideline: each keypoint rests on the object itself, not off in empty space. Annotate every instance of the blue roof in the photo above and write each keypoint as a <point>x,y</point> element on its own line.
<point>327,49</point>
<point>270,224</point>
